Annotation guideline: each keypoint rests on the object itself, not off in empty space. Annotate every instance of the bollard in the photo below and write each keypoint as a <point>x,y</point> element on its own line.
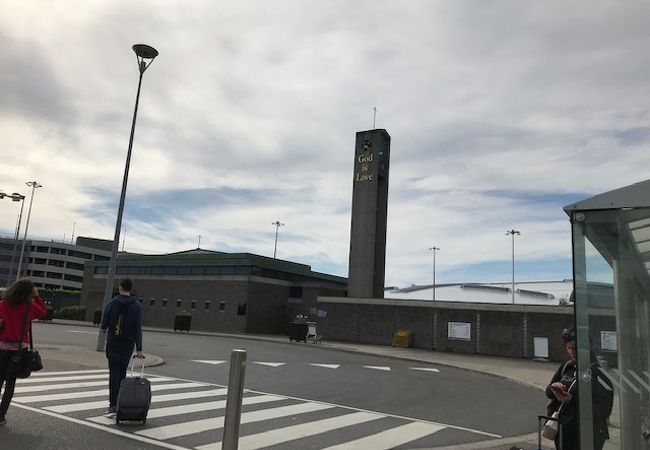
<point>230,439</point>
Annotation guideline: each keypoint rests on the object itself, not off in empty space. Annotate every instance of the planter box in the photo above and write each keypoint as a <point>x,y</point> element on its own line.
<point>182,323</point>
<point>297,331</point>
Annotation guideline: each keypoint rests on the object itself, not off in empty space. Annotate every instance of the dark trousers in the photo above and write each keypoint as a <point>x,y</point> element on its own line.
<point>9,382</point>
<point>119,357</point>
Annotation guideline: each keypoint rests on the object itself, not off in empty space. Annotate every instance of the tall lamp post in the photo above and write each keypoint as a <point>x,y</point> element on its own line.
<point>34,185</point>
<point>434,249</point>
<point>144,56</point>
<point>277,224</point>
<point>16,197</point>
<point>512,233</point>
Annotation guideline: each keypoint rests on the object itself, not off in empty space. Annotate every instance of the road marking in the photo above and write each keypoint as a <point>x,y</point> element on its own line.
<point>309,429</point>
<point>55,378</point>
<point>103,428</point>
<point>425,369</point>
<point>40,388</point>
<point>178,418</point>
<point>208,361</point>
<point>391,438</point>
<point>326,366</point>
<point>192,408</point>
<point>99,393</point>
<point>269,364</point>
<point>384,368</point>
<point>67,372</point>
<point>85,406</point>
<point>198,426</point>
<point>84,332</point>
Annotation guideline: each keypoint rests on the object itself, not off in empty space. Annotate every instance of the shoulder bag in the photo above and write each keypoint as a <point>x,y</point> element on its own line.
<point>25,361</point>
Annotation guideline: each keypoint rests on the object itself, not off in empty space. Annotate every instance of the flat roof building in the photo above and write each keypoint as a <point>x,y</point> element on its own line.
<point>227,292</point>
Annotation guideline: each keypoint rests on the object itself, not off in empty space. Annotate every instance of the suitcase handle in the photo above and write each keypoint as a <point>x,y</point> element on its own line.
<point>133,365</point>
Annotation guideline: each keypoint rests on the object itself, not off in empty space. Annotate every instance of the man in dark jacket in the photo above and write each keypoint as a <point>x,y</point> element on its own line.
<point>122,320</point>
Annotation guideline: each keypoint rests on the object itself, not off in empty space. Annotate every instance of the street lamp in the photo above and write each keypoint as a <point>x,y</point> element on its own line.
<point>34,185</point>
<point>16,197</point>
<point>277,224</point>
<point>434,249</point>
<point>513,233</point>
<point>144,55</point>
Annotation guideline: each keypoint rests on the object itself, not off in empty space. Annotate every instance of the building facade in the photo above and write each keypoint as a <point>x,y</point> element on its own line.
<point>226,292</point>
<point>366,270</point>
<point>51,264</point>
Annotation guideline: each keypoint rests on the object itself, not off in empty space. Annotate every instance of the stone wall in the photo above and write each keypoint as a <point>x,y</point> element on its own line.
<point>489,329</point>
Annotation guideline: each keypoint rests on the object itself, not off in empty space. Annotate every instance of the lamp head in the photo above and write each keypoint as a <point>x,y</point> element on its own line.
<point>145,55</point>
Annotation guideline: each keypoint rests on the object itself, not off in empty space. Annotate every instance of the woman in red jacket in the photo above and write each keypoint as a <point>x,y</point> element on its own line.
<point>20,304</point>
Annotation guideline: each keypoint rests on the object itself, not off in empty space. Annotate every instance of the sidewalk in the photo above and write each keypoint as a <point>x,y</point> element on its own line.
<point>534,374</point>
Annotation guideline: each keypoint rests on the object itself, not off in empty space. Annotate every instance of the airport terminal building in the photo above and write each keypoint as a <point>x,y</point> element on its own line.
<point>226,292</point>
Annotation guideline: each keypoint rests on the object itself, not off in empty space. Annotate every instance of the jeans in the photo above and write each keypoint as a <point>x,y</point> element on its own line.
<point>9,382</point>
<point>119,356</point>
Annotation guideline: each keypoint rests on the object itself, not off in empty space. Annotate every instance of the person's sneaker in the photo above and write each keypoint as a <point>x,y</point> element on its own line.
<point>111,412</point>
<point>3,421</point>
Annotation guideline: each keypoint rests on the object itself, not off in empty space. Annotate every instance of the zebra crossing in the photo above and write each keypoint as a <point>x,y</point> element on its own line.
<point>186,414</point>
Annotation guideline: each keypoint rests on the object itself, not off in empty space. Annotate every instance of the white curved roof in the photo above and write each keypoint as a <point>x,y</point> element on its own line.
<point>526,292</point>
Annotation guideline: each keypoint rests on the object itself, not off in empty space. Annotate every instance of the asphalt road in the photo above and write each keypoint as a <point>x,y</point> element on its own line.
<point>437,406</point>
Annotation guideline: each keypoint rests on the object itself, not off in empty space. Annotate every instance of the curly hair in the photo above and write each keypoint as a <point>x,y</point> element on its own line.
<point>22,291</point>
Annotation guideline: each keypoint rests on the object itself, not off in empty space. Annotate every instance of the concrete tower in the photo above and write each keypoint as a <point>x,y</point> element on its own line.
<point>366,268</point>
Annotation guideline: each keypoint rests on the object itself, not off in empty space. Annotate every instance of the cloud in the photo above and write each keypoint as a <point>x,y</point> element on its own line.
<point>500,113</point>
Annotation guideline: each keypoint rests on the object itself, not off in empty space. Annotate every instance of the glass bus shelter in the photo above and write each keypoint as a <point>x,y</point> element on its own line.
<point>611,265</point>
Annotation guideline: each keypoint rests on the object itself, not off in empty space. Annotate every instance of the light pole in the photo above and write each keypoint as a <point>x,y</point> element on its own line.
<point>434,249</point>
<point>16,197</point>
<point>34,185</point>
<point>512,233</point>
<point>277,224</point>
<point>144,55</point>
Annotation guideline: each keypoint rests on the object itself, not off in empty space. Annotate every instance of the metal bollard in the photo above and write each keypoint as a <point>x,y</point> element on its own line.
<point>230,439</point>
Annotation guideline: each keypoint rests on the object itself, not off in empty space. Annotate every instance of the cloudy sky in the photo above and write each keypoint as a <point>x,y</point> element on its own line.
<point>500,113</point>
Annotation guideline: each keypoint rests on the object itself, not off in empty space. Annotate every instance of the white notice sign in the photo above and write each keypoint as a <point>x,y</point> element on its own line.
<point>608,341</point>
<point>459,330</point>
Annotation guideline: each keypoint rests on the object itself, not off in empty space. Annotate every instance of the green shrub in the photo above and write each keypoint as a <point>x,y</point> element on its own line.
<point>71,313</point>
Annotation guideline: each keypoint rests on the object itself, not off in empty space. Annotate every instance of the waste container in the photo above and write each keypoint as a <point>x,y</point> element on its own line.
<point>182,323</point>
<point>402,338</point>
<point>49,316</point>
<point>97,318</point>
<point>297,331</point>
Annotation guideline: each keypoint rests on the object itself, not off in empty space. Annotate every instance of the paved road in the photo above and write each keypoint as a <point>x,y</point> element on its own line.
<point>299,396</point>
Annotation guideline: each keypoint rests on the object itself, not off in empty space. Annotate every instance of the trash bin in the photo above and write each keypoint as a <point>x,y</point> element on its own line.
<point>97,318</point>
<point>297,331</point>
<point>402,338</point>
<point>182,323</point>
<point>49,316</point>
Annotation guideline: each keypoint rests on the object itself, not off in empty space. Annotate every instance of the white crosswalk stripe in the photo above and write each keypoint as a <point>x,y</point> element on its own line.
<point>187,413</point>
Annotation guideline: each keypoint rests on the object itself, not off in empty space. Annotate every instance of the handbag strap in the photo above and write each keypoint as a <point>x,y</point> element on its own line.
<point>24,326</point>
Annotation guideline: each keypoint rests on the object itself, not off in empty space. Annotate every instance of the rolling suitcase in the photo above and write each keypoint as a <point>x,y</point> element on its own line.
<point>134,397</point>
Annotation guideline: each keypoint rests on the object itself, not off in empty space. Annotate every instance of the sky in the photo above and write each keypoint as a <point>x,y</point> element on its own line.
<point>500,113</point>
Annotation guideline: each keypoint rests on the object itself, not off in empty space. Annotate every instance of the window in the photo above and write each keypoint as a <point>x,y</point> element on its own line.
<point>241,309</point>
<point>171,270</point>
<point>101,269</point>
<point>198,270</point>
<point>179,303</point>
<point>164,303</point>
<point>184,270</point>
<point>75,266</point>
<point>193,305</point>
<point>207,306</point>
<point>82,255</point>
<point>76,278</point>
<point>295,292</point>
<point>222,306</point>
<point>101,258</point>
<point>152,302</point>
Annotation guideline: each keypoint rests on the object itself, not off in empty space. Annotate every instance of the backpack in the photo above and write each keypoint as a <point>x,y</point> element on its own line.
<point>118,320</point>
